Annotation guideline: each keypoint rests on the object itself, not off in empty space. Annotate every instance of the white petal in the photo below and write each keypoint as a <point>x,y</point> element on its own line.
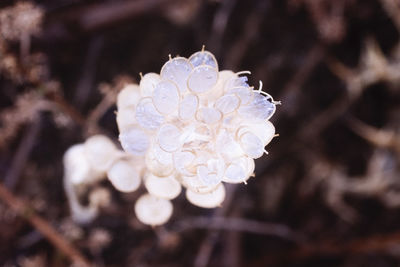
<point>148,83</point>
<point>168,137</point>
<point>227,103</point>
<point>188,107</point>
<point>209,115</point>
<point>252,145</point>
<point>235,174</point>
<point>152,210</point>
<point>134,141</point>
<point>166,97</point>
<point>177,70</point>
<point>128,96</point>
<point>208,200</point>
<point>155,166</point>
<point>161,155</point>
<point>147,115</point>
<point>100,152</point>
<point>182,160</point>
<point>202,79</point>
<point>203,58</point>
<point>261,108</point>
<point>124,176</point>
<point>76,165</point>
<point>265,130</point>
<point>227,146</point>
<point>238,81</point>
<point>163,187</point>
<point>126,118</point>
<point>244,93</point>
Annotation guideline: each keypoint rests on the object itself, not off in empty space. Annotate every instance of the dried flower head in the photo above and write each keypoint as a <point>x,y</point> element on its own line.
<point>196,127</point>
<point>24,18</point>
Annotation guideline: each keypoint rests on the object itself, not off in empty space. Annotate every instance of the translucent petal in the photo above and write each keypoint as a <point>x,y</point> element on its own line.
<point>124,176</point>
<point>238,81</point>
<point>177,70</point>
<point>166,97</point>
<point>182,160</point>
<point>77,166</point>
<point>169,137</point>
<point>209,115</point>
<point>188,107</point>
<point>227,103</point>
<point>207,177</point>
<point>163,187</point>
<point>152,210</point>
<point>227,146</point>
<point>260,108</point>
<point>252,145</point>
<point>147,115</point>
<point>244,93</point>
<point>235,173</point>
<point>126,118</point>
<point>208,200</point>
<point>134,141</point>
<point>195,184</point>
<point>156,167</point>
<point>161,155</point>
<point>203,58</point>
<point>100,152</point>
<point>128,96</point>
<point>265,130</point>
<point>202,79</point>
<point>148,83</point>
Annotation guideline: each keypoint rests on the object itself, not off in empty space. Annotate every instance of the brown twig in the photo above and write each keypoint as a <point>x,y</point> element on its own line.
<point>22,154</point>
<point>18,206</point>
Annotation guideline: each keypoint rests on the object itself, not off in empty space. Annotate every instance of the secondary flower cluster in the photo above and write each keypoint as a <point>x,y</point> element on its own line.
<point>196,127</point>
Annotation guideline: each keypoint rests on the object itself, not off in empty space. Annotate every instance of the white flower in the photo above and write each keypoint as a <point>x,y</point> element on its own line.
<point>195,126</point>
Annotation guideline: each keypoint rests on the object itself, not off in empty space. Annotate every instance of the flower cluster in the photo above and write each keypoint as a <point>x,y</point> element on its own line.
<point>196,127</point>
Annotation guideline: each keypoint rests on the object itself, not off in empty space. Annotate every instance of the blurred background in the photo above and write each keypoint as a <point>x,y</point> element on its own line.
<point>328,193</point>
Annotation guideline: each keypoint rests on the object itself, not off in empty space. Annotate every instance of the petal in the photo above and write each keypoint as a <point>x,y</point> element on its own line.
<point>208,115</point>
<point>168,137</point>
<point>124,176</point>
<point>128,96</point>
<point>177,70</point>
<point>134,141</point>
<point>203,58</point>
<point>152,210</point>
<point>227,103</point>
<point>202,79</point>
<point>147,115</point>
<point>148,83</point>
<point>166,97</point>
<point>261,108</point>
<point>100,152</point>
<point>163,187</point>
<point>188,107</point>
<point>208,200</point>
<point>252,145</point>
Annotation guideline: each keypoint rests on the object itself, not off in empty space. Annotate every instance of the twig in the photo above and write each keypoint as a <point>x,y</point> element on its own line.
<point>237,224</point>
<point>22,154</point>
<point>42,226</point>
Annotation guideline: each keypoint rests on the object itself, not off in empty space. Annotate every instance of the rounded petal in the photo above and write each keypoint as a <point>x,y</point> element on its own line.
<point>208,115</point>
<point>264,130</point>
<point>100,152</point>
<point>203,58</point>
<point>188,107</point>
<point>177,70</point>
<point>260,108</point>
<point>208,200</point>
<point>128,96</point>
<point>163,187</point>
<point>123,176</point>
<point>202,79</point>
<point>76,165</point>
<point>126,118</point>
<point>134,141</point>
<point>168,137</point>
<point>147,115</point>
<point>155,166</point>
<point>182,161</point>
<point>148,83</point>
<point>166,97</point>
<point>245,94</point>
<point>252,145</point>
<point>152,210</point>
<point>227,103</point>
